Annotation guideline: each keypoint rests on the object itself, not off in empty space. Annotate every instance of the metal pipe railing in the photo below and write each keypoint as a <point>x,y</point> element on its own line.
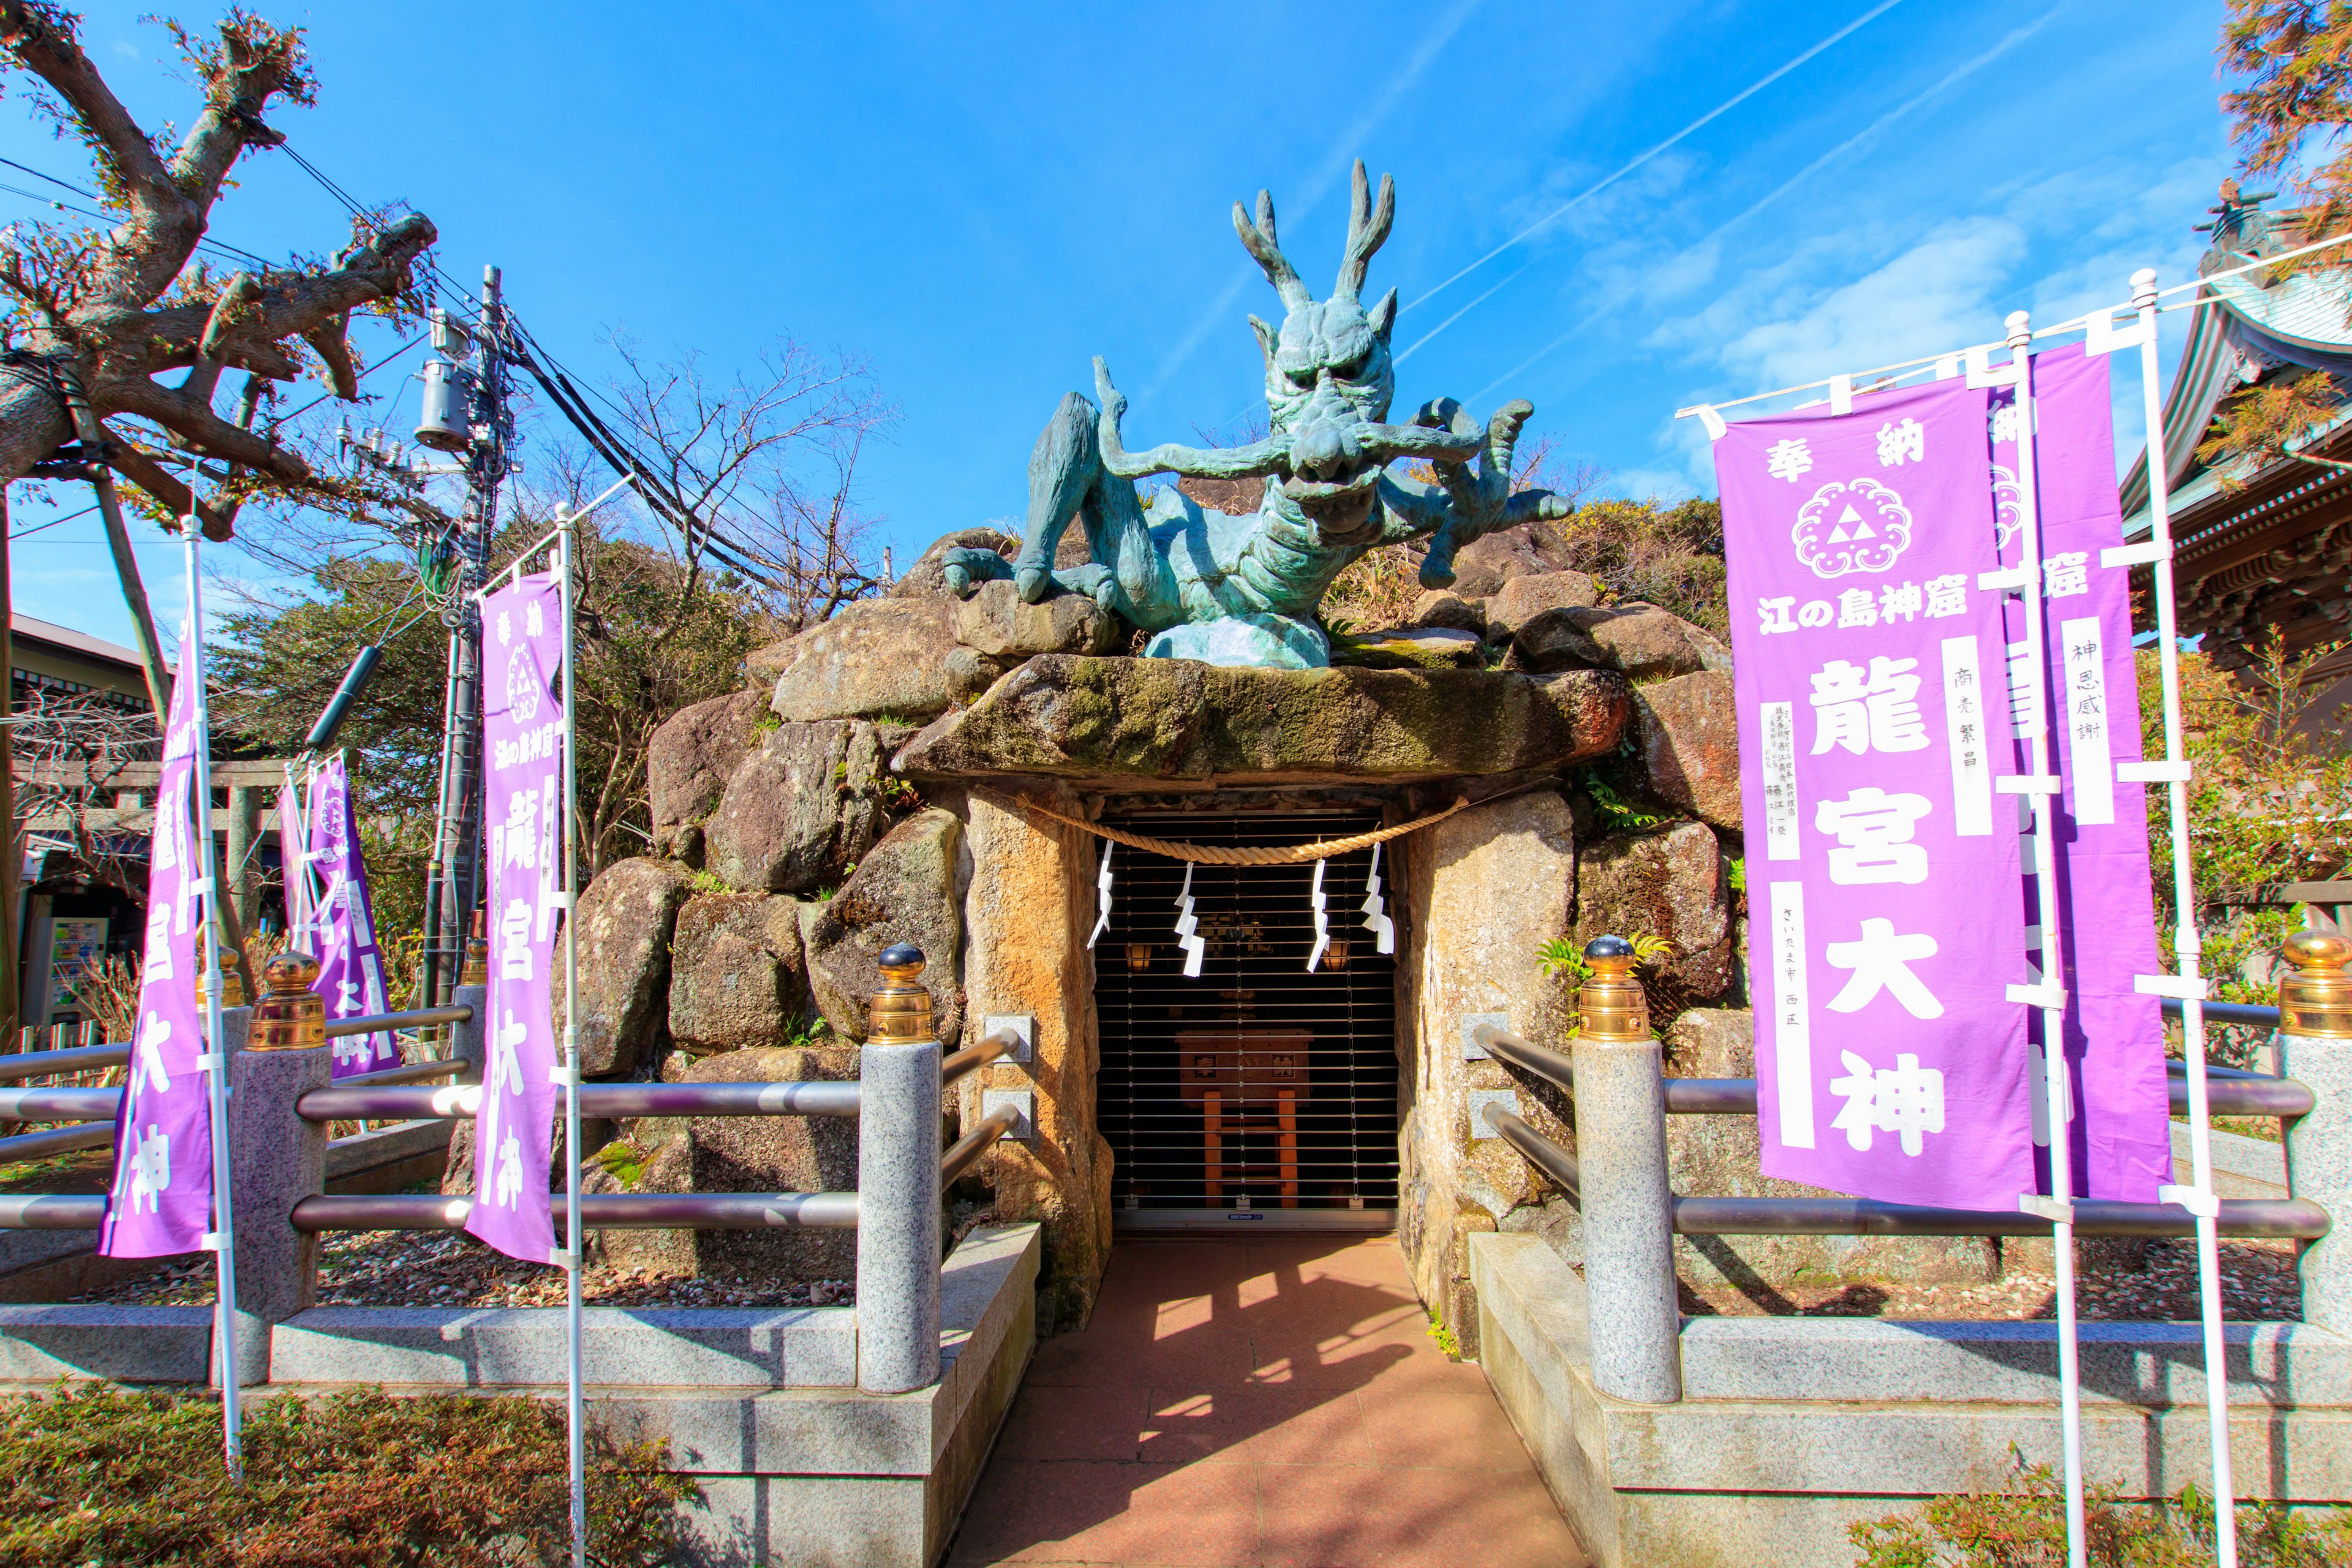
<point>377,1023</point>
<point>408,1072</point>
<point>52,1140</point>
<point>1542,1153</point>
<point>972,1058</point>
<point>396,1102</point>
<point>53,1211</point>
<point>79,1058</point>
<point>2272,1218</point>
<point>1557,1066</point>
<point>2227,1093</point>
<point>2240,1013</point>
<point>60,1104</point>
<point>115,1053</point>
<point>965,1152</point>
<point>599,1211</point>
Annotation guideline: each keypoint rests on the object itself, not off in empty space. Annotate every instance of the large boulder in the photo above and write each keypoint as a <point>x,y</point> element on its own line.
<point>1101,718</point>
<point>889,661</point>
<point>1483,566</point>
<point>998,622</point>
<point>1523,598</point>
<point>1668,884</point>
<point>927,578</point>
<point>799,809</point>
<point>736,974</point>
<point>687,765</point>
<point>1688,737</point>
<point>1443,607</point>
<point>1641,642</point>
<point>1410,648</point>
<point>746,1154</point>
<point>903,890</point>
<point>626,917</point>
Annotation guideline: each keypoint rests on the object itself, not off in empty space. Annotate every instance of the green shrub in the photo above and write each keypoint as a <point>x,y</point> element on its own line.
<point>2025,1527</point>
<point>101,1475</point>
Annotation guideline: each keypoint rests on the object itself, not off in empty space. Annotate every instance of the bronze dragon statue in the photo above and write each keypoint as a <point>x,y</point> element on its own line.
<point>1245,590</point>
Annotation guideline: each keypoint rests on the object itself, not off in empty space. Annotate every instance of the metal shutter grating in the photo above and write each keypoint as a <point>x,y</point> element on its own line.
<point>1189,1065</point>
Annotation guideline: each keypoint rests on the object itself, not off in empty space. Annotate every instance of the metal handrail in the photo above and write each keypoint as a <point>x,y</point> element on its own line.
<point>2228,1012</point>
<point>377,1023</point>
<point>2227,1093</point>
<point>53,1211</point>
<point>2267,1218</point>
<point>394,1102</point>
<point>76,1059</point>
<point>115,1053</point>
<point>1543,1154</point>
<point>1541,1060</point>
<point>60,1104</point>
<point>52,1140</point>
<point>2271,1218</point>
<point>407,1072</point>
<point>974,1057</point>
<point>601,1211</point>
<point>965,1152</point>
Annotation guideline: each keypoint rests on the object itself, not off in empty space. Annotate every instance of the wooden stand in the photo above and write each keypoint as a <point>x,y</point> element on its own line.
<point>1226,1072</point>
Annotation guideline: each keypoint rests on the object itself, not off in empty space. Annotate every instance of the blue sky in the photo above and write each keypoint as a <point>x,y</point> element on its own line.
<point>978,199</point>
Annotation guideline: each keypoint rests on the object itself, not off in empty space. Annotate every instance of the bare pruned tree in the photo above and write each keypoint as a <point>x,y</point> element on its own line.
<point>96,318</point>
<point>766,462</point>
<point>71,754</point>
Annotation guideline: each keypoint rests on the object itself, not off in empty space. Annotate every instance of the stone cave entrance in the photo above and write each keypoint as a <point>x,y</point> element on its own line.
<point>1258,1094</point>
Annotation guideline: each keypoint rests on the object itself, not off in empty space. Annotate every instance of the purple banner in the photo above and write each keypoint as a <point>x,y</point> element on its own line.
<point>1882,862</point>
<point>522,734</point>
<point>351,967</point>
<point>2120,1134</point>
<point>161,1200</point>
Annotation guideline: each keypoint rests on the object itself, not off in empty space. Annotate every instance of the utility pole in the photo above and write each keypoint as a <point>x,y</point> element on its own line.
<point>454,878</point>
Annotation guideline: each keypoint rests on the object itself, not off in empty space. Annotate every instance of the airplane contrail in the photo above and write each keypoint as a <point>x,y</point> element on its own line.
<point>1336,166</point>
<point>1605,182</point>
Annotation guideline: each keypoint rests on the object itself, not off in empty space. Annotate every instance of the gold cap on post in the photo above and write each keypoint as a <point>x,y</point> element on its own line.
<point>292,1017</point>
<point>900,1013</point>
<point>2315,1000</point>
<point>1611,1005</point>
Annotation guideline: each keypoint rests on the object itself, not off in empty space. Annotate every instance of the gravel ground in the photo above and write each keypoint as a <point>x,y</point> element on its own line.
<point>2258,1284</point>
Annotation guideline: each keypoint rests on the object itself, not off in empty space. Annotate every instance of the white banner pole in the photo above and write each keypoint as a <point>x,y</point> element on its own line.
<point>2049,992</point>
<point>575,1243</point>
<point>216,1058</point>
<point>2187,949</point>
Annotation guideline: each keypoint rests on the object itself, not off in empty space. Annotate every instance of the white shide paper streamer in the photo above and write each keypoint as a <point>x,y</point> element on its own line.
<point>1102,896</point>
<point>1322,921</point>
<point>1187,923</point>
<point>1376,919</point>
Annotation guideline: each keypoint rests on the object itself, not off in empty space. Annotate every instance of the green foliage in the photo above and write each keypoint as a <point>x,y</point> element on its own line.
<point>1668,556</point>
<point>808,1033</point>
<point>96,1473</point>
<point>1736,870</point>
<point>768,722</point>
<point>622,1160</point>
<point>703,881</point>
<point>1614,808</point>
<point>2025,1527</point>
<point>1443,1336</point>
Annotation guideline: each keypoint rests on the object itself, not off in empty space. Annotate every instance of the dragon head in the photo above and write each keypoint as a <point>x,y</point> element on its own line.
<point>1328,375</point>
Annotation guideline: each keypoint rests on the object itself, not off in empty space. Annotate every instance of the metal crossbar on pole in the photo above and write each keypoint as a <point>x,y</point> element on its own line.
<point>574,1244</point>
<point>223,1239</point>
<point>2048,991</point>
<point>2186,949</point>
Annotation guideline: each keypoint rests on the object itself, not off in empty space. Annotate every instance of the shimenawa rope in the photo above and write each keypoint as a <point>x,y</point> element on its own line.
<point>1232,855</point>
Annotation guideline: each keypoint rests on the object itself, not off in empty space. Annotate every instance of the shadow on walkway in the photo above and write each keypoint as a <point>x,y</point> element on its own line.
<point>1273,1402</point>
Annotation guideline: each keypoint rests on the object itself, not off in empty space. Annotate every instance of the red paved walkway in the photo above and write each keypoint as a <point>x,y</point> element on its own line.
<point>1279,1403</point>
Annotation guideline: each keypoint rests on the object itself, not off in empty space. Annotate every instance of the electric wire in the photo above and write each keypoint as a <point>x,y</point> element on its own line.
<point>37,527</point>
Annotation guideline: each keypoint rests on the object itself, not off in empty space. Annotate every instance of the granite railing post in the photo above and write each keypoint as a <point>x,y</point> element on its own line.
<point>1634,1316</point>
<point>2314,1047</point>
<point>277,1053</point>
<point>470,1042</point>
<point>898,1184</point>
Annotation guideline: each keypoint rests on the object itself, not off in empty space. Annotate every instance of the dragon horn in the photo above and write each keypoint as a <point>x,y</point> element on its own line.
<point>1367,228</point>
<point>1258,239</point>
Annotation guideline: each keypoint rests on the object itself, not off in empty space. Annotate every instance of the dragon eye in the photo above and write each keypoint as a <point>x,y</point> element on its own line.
<point>1352,369</point>
<point>1303,380</point>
